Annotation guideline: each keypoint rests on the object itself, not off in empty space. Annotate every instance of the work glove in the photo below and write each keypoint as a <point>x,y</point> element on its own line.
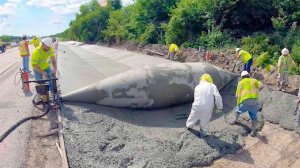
<point>219,110</point>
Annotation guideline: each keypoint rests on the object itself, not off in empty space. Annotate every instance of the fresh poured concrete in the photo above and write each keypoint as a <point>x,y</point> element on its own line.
<point>99,136</point>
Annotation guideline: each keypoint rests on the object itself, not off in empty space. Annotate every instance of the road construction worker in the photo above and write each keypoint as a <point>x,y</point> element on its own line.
<point>283,65</point>
<point>205,96</point>
<point>298,111</point>
<point>246,58</point>
<point>173,51</point>
<point>247,94</point>
<point>41,69</point>
<point>35,41</point>
<point>24,53</point>
<point>39,61</point>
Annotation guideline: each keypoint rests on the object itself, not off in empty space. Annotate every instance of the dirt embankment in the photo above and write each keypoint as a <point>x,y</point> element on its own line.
<point>221,59</point>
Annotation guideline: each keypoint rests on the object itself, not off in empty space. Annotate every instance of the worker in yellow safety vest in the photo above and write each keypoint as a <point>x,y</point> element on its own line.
<point>298,111</point>
<point>284,62</point>
<point>246,59</point>
<point>173,51</point>
<point>247,94</point>
<point>35,41</point>
<point>24,53</point>
<point>39,61</point>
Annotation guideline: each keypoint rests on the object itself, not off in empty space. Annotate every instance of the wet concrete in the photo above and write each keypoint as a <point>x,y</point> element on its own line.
<point>99,136</point>
<point>279,108</point>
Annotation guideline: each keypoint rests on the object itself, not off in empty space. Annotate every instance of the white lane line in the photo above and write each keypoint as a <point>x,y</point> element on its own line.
<point>7,68</point>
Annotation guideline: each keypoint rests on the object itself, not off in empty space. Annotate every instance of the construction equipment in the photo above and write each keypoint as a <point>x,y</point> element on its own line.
<point>42,98</point>
<point>234,66</point>
<point>25,78</point>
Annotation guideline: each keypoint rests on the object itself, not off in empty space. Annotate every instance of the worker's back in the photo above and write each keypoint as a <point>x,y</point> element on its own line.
<point>204,94</point>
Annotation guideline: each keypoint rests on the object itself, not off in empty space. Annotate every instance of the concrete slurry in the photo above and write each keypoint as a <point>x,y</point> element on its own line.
<point>99,136</point>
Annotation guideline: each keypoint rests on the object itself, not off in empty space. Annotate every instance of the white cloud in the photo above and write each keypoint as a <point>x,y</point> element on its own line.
<point>62,7</point>
<point>14,1</point>
<point>57,21</point>
<point>7,9</point>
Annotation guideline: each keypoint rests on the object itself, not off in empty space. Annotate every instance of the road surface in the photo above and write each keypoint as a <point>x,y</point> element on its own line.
<point>14,105</point>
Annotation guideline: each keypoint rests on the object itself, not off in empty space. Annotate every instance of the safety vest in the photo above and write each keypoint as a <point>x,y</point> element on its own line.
<point>284,62</point>
<point>35,42</point>
<point>246,56</point>
<point>248,88</point>
<point>40,57</point>
<point>23,48</point>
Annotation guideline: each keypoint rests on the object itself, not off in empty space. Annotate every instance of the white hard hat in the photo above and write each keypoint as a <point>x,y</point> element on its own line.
<point>244,73</point>
<point>237,49</point>
<point>285,51</point>
<point>47,41</point>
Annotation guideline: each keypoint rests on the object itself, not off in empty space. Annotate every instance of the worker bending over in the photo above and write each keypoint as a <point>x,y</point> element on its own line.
<point>205,96</point>
<point>173,51</point>
<point>39,61</point>
<point>246,58</point>
<point>247,94</point>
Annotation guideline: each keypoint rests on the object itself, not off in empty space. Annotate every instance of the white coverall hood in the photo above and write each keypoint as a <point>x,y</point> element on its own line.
<point>204,97</point>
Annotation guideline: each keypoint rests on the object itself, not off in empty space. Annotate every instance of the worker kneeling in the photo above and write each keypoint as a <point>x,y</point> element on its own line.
<point>205,96</point>
<point>247,94</point>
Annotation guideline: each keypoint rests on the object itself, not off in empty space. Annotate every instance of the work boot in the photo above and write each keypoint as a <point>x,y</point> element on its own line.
<point>253,128</point>
<point>235,119</point>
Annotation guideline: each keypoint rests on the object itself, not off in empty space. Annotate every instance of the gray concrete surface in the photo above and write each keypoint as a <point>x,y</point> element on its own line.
<point>99,136</point>
<point>279,108</point>
<point>150,87</point>
<point>14,105</point>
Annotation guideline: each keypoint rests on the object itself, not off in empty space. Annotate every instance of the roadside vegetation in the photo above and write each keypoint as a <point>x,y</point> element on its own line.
<point>261,27</point>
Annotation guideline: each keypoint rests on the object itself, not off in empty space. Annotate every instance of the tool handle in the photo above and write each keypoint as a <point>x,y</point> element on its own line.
<point>41,81</point>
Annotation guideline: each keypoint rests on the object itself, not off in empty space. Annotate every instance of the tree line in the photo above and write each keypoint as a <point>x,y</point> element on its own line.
<point>261,27</point>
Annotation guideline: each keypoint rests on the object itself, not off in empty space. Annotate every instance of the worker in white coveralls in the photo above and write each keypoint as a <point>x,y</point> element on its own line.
<point>247,94</point>
<point>205,96</point>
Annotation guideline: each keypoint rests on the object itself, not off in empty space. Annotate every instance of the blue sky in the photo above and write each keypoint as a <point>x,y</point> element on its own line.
<point>38,17</point>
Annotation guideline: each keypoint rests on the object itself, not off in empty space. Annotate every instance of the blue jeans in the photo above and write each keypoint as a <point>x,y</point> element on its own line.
<point>39,76</point>
<point>247,65</point>
<point>251,109</point>
<point>26,63</point>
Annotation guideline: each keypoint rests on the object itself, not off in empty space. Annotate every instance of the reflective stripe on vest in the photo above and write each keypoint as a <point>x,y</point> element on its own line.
<point>23,49</point>
<point>248,90</point>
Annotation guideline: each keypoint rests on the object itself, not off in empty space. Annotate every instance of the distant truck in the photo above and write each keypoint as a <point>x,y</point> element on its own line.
<point>2,46</point>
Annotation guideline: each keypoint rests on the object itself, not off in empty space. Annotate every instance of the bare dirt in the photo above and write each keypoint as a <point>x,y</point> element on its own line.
<point>42,151</point>
<point>219,58</point>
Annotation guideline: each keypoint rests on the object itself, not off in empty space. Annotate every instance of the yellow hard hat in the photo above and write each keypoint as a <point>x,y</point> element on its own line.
<point>207,77</point>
